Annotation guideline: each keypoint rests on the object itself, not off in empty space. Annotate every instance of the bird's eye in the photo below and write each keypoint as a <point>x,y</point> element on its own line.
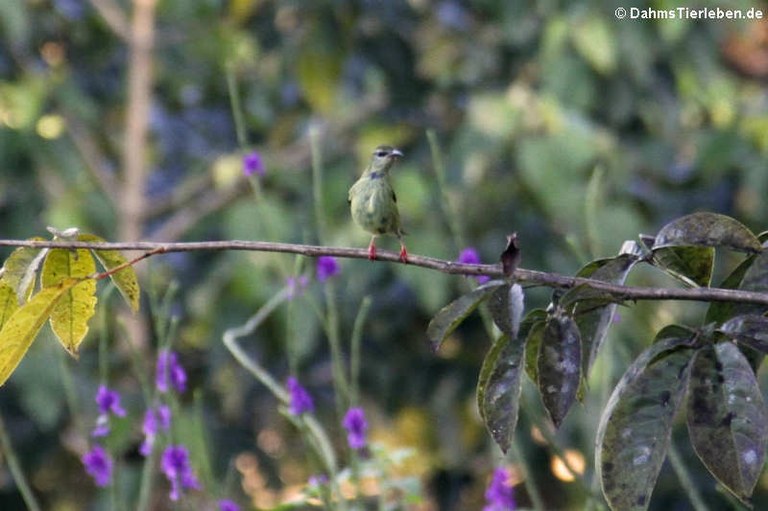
<point>381,153</point>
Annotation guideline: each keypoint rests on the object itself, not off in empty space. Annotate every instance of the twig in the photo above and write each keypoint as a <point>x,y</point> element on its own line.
<point>523,276</point>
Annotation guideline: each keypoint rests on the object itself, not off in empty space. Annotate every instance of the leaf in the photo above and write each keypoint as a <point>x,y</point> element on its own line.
<point>593,314</point>
<point>635,429</point>
<point>748,329</point>
<point>727,419</point>
<point>125,280</point>
<point>692,265</point>
<point>721,311</point>
<point>594,40</point>
<point>707,230</point>
<point>498,389</point>
<point>532,347</point>
<point>21,328</point>
<point>69,317</point>
<point>559,366</point>
<point>450,316</point>
<point>319,67</point>
<point>20,269</point>
<point>8,302</point>
<point>506,305</point>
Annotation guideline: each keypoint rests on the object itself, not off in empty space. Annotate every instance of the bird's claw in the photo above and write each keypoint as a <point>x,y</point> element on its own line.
<point>372,252</point>
<point>403,255</point>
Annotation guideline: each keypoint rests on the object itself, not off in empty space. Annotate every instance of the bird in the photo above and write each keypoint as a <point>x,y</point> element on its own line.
<point>373,202</point>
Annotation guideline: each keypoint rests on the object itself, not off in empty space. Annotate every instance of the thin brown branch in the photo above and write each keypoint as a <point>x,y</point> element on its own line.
<point>523,276</point>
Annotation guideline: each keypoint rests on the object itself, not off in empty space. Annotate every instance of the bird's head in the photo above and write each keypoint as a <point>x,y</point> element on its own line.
<point>383,158</point>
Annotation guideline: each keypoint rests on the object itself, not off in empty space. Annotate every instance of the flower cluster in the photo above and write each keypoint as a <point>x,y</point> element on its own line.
<point>500,495</point>
<point>299,399</point>
<point>97,461</point>
<point>470,256</point>
<point>356,425</point>
<point>253,164</point>
<point>175,462</point>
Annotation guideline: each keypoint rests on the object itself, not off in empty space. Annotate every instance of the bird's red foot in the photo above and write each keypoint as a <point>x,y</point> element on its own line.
<point>372,252</point>
<point>403,254</point>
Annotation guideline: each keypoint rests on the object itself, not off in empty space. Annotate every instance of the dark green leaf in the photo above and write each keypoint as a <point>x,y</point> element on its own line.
<point>748,329</point>
<point>450,316</point>
<point>691,265</point>
<point>721,311</point>
<point>727,420</point>
<point>506,305</point>
<point>636,425</point>
<point>532,346</point>
<point>498,389</point>
<point>674,332</point>
<point>706,229</point>
<point>594,315</point>
<point>559,366</point>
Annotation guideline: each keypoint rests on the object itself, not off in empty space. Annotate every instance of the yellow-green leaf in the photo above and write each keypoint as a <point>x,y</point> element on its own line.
<point>20,269</point>
<point>8,302</point>
<point>21,328</point>
<point>70,315</point>
<point>125,280</point>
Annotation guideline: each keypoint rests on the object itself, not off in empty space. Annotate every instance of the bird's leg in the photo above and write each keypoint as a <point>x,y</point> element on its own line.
<point>403,253</point>
<point>372,249</point>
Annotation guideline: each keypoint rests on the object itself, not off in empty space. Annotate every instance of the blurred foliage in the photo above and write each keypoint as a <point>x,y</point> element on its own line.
<point>528,100</point>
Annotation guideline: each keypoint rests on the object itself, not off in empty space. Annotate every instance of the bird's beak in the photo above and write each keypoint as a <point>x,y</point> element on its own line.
<point>396,153</point>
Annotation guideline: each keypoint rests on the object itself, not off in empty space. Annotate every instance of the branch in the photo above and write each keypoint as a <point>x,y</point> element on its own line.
<point>523,276</point>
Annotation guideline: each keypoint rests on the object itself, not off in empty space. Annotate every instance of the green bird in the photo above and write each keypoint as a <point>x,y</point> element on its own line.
<point>373,202</point>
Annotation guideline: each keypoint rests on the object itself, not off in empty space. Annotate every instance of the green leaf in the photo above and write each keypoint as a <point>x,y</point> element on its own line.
<point>20,268</point>
<point>692,265</point>
<point>721,311</point>
<point>21,328</point>
<point>559,366</point>
<point>498,389</point>
<point>748,329</point>
<point>8,302</point>
<point>727,419</point>
<point>707,230</point>
<point>450,316</point>
<point>594,315</point>
<point>506,305</point>
<point>70,316</point>
<point>532,347</point>
<point>595,41</point>
<point>319,67</point>
<point>125,280</point>
<point>635,429</point>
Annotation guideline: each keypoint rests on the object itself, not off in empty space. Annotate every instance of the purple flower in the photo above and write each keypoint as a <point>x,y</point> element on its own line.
<point>470,256</point>
<point>500,496</point>
<point>155,420</point>
<point>253,164</point>
<point>317,480</point>
<point>296,285</point>
<point>175,465</point>
<point>228,505</point>
<point>300,400</point>
<point>108,402</point>
<point>326,268</point>
<point>170,372</point>
<point>356,425</point>
<point>99,465</point>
